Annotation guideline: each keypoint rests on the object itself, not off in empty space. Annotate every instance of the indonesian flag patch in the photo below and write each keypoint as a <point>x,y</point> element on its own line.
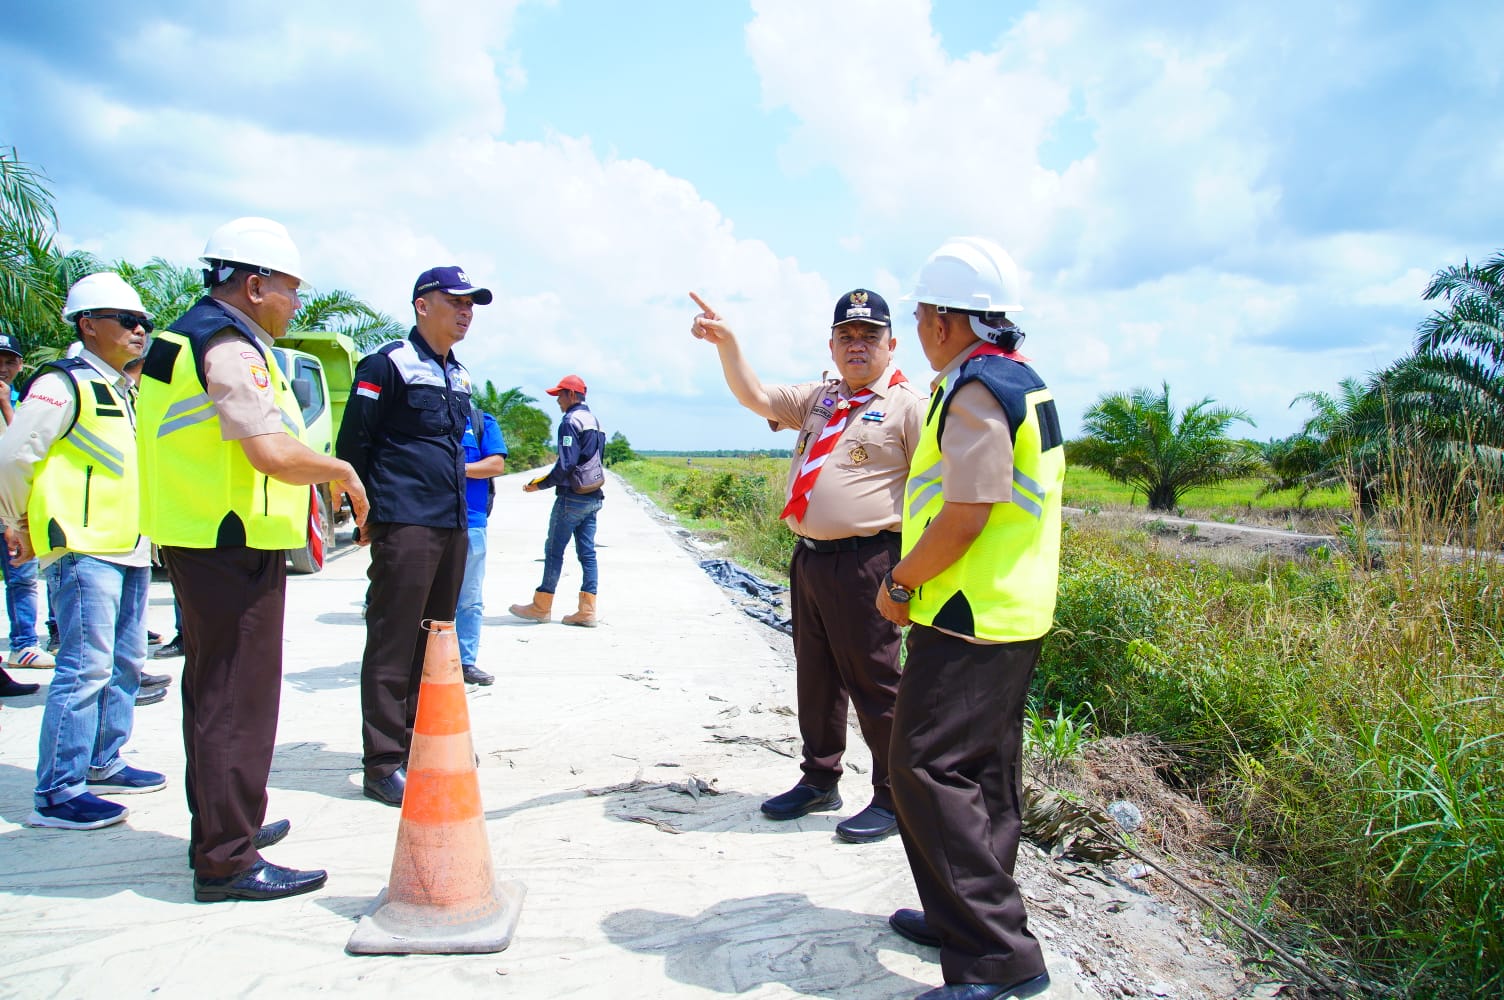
<point>368,390</point>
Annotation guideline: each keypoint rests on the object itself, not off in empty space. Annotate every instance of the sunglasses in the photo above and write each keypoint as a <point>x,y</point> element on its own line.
<point>126,320</point>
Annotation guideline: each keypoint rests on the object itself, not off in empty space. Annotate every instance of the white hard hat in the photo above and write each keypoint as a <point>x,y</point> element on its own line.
<point>970,273</point>
<point>105,290</point>
<point>254,243</point>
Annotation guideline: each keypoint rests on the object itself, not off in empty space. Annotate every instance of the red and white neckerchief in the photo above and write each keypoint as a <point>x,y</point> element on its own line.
<point>804,483</point>
<point>986,348</point>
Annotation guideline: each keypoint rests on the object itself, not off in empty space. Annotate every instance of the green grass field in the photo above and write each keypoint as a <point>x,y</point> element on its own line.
<point>1089,488</point>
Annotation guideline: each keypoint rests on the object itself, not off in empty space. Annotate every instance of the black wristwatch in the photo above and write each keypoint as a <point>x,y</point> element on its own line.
<point>896,594</point>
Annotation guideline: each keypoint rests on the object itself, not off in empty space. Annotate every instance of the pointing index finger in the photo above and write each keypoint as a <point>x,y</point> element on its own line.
<point>711,313</point>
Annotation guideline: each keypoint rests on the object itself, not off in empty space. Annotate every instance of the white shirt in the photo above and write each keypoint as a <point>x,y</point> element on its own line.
<point>41,420</point>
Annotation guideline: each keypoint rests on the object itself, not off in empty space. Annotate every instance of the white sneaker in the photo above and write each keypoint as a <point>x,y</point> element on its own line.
<point>34,656</point>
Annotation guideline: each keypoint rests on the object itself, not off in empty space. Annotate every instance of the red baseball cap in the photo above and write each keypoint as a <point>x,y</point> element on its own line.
<point>571,382</point>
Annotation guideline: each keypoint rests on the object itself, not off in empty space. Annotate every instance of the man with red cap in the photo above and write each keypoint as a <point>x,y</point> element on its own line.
<point>577,478</point>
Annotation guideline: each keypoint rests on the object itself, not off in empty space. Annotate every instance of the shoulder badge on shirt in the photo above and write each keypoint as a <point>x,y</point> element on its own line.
<point>259,374</point>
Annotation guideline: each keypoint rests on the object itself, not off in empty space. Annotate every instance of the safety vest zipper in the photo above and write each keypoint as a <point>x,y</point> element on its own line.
<point>88,476</point>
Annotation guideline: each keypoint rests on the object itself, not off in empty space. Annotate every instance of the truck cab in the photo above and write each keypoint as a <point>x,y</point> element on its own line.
<point>320,365</point>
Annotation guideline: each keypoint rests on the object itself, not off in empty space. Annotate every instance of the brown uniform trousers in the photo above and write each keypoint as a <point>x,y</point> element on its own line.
<point>415,574</point>
<point>957,740</point>
<point>232,600</point>
<point>844,648</point>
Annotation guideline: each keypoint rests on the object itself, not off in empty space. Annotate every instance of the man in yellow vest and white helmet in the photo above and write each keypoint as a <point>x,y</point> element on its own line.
<point>981,555</point>
<point>68,486</point>
<point>225,480</point>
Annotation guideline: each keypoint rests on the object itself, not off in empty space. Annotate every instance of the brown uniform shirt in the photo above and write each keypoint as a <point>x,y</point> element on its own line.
<point>976,452</point>
<point>240,384</point>
<point>860,487</point>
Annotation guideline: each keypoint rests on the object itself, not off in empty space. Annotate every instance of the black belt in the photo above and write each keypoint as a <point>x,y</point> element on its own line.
<point>847,544</point>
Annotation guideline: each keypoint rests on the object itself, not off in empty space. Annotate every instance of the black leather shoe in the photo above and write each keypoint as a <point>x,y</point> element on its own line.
<point>872,823</point>
<point>10,688</point>
<point>150,696</point>
<point>911,924</point>
<point>989,991</point>
<point>271,833</point>
<point>263,880</point>
<point>389,789</point>
<point>167,652</point>
<point>149,681</point>
<point>800,800</point>
<point>474,675</point>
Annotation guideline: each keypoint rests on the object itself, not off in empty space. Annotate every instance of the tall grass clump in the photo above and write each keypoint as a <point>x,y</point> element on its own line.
<point>741,497</point>
<point>1341,713</point>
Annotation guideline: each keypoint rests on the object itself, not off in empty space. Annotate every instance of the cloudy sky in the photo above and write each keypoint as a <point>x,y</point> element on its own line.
<point>1243,200</point>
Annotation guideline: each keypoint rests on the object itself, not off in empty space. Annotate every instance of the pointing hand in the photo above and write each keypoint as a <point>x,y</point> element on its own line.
<point>709,325</point>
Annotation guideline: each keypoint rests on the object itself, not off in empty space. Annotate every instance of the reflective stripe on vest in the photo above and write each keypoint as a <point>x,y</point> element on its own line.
<point>85,495</point>
<point>1003,588</point>
<point>198,490</point>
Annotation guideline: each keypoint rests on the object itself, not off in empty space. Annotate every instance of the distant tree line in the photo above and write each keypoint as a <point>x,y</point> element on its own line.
<point>721,453</point>
<point>1428,427</point>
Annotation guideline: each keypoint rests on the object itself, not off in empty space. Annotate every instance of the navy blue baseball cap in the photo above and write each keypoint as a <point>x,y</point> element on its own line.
<point>862,306</point>
<point>452,280</point>
<point>10,345</point>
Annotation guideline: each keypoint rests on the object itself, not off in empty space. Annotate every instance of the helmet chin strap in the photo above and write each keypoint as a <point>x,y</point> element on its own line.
<point>1007,335</point>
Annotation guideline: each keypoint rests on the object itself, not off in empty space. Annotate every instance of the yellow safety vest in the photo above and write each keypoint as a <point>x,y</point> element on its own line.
<point>198,490</point>
<point>85,495</point>
<point>1003,587</point>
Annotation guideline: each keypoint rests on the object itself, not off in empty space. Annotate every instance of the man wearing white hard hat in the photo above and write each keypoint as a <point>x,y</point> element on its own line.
<point>69,490</point>
<point>981,556</point>
<point>225,480</point>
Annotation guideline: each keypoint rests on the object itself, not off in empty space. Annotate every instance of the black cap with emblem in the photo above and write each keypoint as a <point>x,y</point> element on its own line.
<point>861,306</point>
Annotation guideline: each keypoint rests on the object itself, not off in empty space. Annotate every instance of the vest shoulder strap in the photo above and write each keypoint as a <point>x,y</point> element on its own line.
<point>78,372</point>
<point>1008,380</point>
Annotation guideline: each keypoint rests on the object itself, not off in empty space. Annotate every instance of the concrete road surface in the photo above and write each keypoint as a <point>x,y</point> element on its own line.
<point>636,891</point>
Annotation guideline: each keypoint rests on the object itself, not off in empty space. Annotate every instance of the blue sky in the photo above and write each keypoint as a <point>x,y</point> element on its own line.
<point>1242,200</point>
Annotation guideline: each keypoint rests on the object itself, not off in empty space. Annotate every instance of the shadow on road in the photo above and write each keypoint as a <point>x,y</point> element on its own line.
<point>738,945</point>
<point>328,678</point>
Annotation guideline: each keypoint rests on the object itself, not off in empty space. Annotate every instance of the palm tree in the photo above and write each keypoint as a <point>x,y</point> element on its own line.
<point>1345,442</point>
<point>340,312</point>
<point>34,273</point>
<point>498,403</point>
<point>1447,398</point>
<point>1135,438</point>
<point>526,428</point>
<point>166,289</point>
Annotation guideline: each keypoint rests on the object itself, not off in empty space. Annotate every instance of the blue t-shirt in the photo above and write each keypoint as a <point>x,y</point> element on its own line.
<point>477,490</point>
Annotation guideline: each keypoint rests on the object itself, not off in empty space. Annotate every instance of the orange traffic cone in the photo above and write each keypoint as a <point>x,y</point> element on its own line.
<point>443,897</point>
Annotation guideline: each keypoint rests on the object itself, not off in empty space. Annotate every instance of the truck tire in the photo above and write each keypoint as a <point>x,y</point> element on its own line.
<point>303,560</point>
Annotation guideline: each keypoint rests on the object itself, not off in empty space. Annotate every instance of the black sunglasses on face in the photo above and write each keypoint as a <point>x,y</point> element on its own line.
<point>126,320</point>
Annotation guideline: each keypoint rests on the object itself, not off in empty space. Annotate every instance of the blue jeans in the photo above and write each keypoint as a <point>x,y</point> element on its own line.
<point>573,517</point>
<point>21,602</point>
<point>101,611</point>
<point>471,603</point>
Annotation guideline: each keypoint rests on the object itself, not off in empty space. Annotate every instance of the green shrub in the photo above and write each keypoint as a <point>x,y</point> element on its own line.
<point>1342,715</point>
